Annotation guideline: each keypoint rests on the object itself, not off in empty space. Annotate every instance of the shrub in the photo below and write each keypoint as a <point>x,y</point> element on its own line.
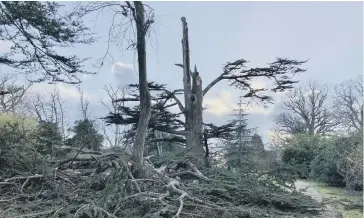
<point>46,136</point>
<point>86,135</point>
<point>301,149</point>
<point>323,167</point>
<point>350,165</point>
<point>340,162</point>
<point>17,155</point>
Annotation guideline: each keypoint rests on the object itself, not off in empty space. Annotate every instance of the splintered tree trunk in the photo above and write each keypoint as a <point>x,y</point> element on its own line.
<point>195,136</point>
<point>193,97</point>
<point>145,100</point>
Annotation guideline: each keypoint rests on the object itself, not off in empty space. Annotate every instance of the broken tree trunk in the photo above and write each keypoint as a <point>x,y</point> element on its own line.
<point>145,100</point>
<point>193,97</point>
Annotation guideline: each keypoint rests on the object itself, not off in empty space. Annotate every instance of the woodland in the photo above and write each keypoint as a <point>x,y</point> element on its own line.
<point>158,162</point>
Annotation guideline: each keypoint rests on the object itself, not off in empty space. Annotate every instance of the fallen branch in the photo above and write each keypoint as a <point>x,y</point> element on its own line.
<point>61,162</point>
<point>132,177</point>
<point>24,184</point>
<point>82,151</point>
<point>194,168</point>
<point>173,183</point>
<point>36,214</point>
<point>6,183</point>
<point>180,198</point>
<point>23,177</point>
<point>185,173</point>
<point>79,151</point>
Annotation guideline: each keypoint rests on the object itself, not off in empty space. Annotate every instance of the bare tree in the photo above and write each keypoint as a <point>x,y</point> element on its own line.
<point>14,101</point>
<point>84,105</point>
<point>50,108</point>
<point>349,104</point>
<point>58,110</point>
<point>307,111</point>
<point>112,105</point>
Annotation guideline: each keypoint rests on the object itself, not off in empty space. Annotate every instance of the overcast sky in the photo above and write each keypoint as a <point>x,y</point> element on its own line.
<point>330,34</point>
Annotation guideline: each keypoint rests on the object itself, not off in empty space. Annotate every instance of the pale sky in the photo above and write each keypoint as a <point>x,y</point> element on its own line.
<point>330,34</point>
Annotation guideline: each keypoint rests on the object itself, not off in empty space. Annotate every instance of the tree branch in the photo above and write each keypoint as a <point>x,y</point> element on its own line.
<point>179,103</point>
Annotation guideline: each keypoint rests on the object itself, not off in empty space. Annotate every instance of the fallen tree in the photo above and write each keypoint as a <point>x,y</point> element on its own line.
<point>104,186</point>
<point>101,184</point>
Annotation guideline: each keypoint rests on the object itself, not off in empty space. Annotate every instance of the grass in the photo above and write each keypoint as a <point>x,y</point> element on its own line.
<point>349,203</point>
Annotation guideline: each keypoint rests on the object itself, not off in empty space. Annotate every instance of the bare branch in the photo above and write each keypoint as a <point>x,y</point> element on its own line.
<point>349,104</point>
<point>13,100</point>
<point>307,111</point>
<point>84,104</point>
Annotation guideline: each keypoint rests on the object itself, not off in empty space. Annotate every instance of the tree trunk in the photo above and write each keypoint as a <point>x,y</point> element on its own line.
<point>145,100</point>
<point>193,104</point>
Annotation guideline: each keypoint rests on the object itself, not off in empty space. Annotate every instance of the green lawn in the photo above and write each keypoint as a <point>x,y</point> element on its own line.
<point>350,204</point>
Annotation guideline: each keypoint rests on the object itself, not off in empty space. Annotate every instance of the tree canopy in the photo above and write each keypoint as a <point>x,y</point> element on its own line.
<point>36,31</point>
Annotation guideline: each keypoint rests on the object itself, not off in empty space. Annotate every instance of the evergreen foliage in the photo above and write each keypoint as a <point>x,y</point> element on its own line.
<point>46,136</point>
<point>34,31</point>
<point>86,135</point>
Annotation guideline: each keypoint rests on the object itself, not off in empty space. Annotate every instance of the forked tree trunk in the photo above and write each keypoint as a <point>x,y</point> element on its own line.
<point>193,97</point>
<point>145,100</point>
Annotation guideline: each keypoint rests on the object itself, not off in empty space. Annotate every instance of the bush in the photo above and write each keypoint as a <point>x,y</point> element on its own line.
<point>340,162</point>
<point>86,135</point>
<point>323,167</point>
<point>351,165</point>
<point>46,136</point>
<point>17,155</point>
<point>301,149</point>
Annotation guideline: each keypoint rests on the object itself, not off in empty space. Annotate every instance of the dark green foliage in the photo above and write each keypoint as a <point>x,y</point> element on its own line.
<point>339,162</point>
<point>323,168</point>
<point>237,143</point>
<point>36,30</point>
<point>265,191</point>
<point>162,118</point>
<point>301,149</point>
<point>335,160</point>
<point>86,135</point>
<point>238,156</point>
<point>257,143</point>
<point>46,136</point>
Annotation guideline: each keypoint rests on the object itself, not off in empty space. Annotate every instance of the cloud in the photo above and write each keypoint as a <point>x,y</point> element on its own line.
<point>223,104</point>
<point>125,73</point>
<point>219,105</point>
<point>66,91</point>
<point>5,46</point>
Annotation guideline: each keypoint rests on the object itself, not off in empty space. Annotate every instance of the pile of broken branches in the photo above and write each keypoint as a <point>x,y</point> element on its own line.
<point>98,184</point>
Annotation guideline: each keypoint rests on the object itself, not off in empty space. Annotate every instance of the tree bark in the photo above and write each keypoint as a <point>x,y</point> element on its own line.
<point>193,97</point>
<point>145,100</point>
